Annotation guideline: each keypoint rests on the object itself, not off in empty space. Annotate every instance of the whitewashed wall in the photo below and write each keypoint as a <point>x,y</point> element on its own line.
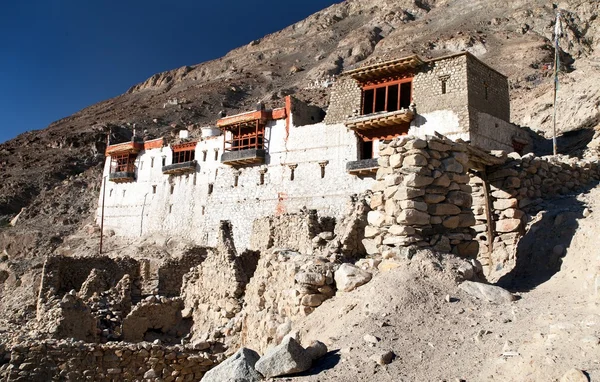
<point>132,209</point>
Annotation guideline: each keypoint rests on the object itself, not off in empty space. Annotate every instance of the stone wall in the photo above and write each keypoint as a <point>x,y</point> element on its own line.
<point>286,286</point>
<point>42,361</point>
<point>345,101</point>
<point>488,90</point>
<point>516,188</point>
<point>63,274</point>
<point>421,198</point>
<point>446,113</point>
<point>213,291</point>
<point>303,114</point>
<point>170,273</point>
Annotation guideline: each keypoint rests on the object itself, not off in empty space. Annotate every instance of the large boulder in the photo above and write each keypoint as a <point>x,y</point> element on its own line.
<point>487,292</point>
<point>349,277</point>
<point>237,368</point>
<point>289,357</point>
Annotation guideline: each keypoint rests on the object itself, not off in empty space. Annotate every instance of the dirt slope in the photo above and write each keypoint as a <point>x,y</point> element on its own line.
<point>549,330</point>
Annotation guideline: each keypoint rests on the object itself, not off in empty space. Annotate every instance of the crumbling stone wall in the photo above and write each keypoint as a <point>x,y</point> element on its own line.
<point>213,291</point>
<point>63,274</point>
<point>170,273</point>
<point>292,231</point>
<point>285,287</point>
<point>41,361</point>
<point>516,188</point>
<point>421,198</point>
<point>161,316</point>
<point>304,114</point>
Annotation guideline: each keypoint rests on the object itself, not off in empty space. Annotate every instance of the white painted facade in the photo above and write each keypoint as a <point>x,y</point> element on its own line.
<point>180,205</point>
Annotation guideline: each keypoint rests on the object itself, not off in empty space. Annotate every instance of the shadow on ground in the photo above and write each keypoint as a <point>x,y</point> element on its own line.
<point>541,250</point>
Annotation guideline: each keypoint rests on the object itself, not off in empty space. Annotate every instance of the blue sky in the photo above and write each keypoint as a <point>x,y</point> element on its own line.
<point>59,56</point>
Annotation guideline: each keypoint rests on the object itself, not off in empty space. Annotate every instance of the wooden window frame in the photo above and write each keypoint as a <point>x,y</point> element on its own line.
<point>246,136</point>
<point>122,162</point>
<point>386,85</point>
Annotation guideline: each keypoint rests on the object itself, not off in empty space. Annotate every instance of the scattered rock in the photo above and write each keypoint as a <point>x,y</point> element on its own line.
<point>237,368</point>
<point>371,339</point>
<point>383,358</point>
<point>349,277</point>
<point>487,292</point>
<point>316,350</point>
<point>574,375</point>
<point>286,358</point>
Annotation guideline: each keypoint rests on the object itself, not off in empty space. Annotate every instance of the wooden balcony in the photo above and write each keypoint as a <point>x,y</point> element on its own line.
<point>379,120</point>
<point>121,176</point>
<point>121,173</point>
<point>244,157</point>
<point>362,167</point>
<point>180,168</point>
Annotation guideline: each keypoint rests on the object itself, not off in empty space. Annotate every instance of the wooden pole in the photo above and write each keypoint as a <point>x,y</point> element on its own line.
<point>102,215</point>
<point>557,33</point>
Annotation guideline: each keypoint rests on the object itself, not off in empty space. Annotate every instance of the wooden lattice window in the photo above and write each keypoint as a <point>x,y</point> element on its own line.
<point>122,163</point>
<point>387,96</point>
<point>185,152</point>
<point>246,136</point>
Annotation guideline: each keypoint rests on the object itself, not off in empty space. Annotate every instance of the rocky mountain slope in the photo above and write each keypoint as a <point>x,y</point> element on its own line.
<point>53,175</point>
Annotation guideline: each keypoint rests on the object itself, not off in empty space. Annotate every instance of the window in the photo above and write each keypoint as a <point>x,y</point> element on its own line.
<point>386,97</point>
<point>172,189</point>
<point>292,171</point>
<point>203,209</point>
<point>322,165</point>
<point>210,188</point>
<point>154,189</point>
<point>170,208</point>
<point>236,180</point>
<point>164,161</point>
<point>185,152</point>
<point>204,152</point>
<point>216,154</point>
<point>245,136</point>
<point>124,193</point>
<point>122,163</point>
<point>444,83</point>
<point>110,193</point>
<point>262,178</point>
<point>151,162</point>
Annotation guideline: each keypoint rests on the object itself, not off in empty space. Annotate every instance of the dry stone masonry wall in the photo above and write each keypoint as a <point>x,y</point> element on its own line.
<point>421,197</point>
<point>516,190</point>
<point>42,361</point>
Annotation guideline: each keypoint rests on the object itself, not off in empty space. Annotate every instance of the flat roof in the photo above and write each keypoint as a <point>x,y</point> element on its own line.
<point>400,65</point>
<point>385,68</point>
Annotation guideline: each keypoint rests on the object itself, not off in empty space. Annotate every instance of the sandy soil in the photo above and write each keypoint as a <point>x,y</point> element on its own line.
<point>551,328</point>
